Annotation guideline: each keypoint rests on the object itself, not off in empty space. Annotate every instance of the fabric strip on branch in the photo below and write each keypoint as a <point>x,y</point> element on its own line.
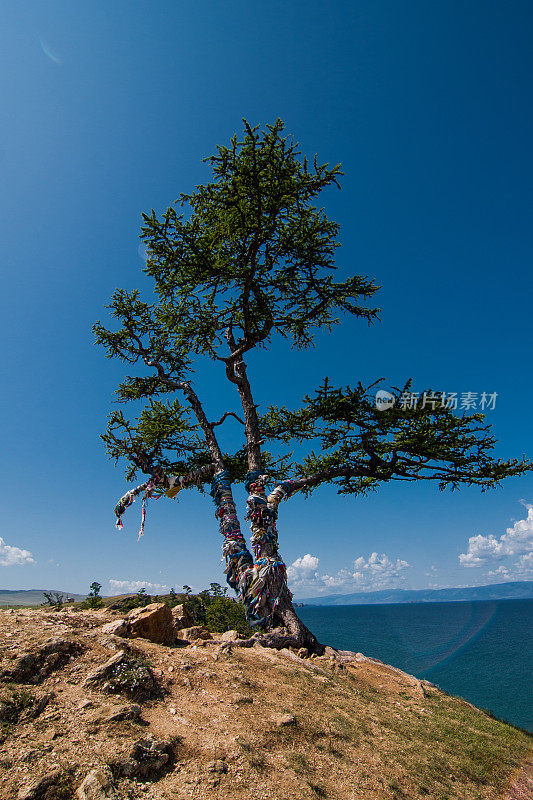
<point>155,489</point>
<point>177,483</point>
<point>150,488</point>
<point>149,492</point>
<point>126,501</point>
<point>269,574</point>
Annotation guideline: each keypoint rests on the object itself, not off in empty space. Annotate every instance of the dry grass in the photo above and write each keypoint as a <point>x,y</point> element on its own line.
<point>364,731</point>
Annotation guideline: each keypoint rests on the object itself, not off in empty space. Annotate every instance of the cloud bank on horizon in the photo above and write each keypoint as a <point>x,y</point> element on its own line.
<point>376,572</point>
<point>121,586</point>
<point>500,553</point>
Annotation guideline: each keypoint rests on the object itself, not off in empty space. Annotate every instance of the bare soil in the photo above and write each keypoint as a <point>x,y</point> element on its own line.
<point>243,723</point>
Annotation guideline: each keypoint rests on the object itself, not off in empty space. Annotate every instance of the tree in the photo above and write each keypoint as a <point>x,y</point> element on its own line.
<point>187,590</point>
<point>243,259</point>
<point>93,599</point>
<point>142,598</point>
<point>54,600</point>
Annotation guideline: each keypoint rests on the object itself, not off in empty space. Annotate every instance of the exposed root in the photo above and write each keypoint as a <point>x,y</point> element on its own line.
<point>279,638</point>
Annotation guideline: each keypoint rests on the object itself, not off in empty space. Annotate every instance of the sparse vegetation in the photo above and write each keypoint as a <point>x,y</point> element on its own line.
<point>54,600</point>
<point>133,678</point>
<point>93,599</point>
<point>356,733</point>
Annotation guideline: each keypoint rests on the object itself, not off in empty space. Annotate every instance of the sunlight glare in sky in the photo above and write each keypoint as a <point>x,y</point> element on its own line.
<point>48,52</point>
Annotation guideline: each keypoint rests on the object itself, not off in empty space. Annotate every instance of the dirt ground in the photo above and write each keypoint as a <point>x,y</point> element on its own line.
<point>239,723</point>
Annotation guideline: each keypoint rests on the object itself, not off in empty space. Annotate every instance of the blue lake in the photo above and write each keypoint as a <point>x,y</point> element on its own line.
<point>482,651</point>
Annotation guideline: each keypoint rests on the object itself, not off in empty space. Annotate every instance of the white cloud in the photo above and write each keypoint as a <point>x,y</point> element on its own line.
<point>376,572</point>
<point>14,556</point>
<point>517,540</point>
<point>302,566</point>
<point>134,586</point>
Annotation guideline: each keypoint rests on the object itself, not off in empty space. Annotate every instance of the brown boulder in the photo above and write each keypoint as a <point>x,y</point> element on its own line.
<point>117,628</point>
<point>153,622</point>
<point>194,633</point>
<point>182,617</point>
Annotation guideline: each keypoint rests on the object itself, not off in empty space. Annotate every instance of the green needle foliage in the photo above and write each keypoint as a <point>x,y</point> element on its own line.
<point>359,446</point>
<point>241,259</point>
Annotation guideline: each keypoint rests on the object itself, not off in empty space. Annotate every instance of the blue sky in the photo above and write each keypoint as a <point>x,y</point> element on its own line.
<point>108,111</point>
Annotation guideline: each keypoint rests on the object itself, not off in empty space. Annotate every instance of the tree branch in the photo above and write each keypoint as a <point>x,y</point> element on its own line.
<point>223,417</point>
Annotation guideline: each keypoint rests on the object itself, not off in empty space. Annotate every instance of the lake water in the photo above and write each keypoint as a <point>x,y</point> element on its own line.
<point>482,651</point>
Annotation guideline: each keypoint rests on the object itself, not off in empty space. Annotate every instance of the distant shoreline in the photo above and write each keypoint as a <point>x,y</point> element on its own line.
<point>516,590</point>
<point>416,602</point>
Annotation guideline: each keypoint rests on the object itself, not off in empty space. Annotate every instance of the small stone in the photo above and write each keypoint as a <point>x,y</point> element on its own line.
<point>97,785</point>
<point>285,719</point>
<point>230,636</point>
<point>218,766</point>
<point>37,788</point>
<point>172,711</point>
<point>242,699</point>
<point>128,711</point>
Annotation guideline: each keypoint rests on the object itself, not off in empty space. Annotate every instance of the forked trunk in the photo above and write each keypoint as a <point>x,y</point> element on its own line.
<point>269,596</point>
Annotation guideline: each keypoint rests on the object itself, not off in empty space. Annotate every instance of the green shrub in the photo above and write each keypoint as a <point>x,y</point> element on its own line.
<point>92,602</point>
<point>224,614</point>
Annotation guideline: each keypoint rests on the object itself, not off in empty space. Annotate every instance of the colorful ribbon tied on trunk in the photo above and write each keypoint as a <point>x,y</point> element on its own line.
<point>269,574</point>
<point>238,558</point>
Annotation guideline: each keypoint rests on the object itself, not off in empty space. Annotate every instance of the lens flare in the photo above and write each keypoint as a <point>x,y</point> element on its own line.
<point>480,617</point>
<point>48,52</point>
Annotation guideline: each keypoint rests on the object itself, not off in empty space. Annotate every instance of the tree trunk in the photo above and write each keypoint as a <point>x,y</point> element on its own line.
<point>269,596</point>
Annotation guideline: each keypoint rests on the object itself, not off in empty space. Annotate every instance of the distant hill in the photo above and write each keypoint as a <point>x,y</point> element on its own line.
<point>519,590</point>
<point>30,597</point>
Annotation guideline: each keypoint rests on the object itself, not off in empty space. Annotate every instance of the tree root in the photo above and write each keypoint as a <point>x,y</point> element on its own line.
<point>279,638</point>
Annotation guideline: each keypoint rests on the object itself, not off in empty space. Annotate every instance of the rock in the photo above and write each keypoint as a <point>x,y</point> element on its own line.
<point>125,674</point>
<point>128,711</point>
<point>9,711</point>
<point>102,672</point>
<point>218,766</point>
<point>241,699</point>
<point>97,785</point>
<point>15,709</point>
<point>37,789</point>
<point>37,707</point>
<point>195,633</point>
<point>230,636</point>
<point>148,760</point>
<point>181,617</point>
<point>303,652</point>
<point>285,719</point>
<point>153,622</point>
<point>37,665</point>
<point>118,627</point>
